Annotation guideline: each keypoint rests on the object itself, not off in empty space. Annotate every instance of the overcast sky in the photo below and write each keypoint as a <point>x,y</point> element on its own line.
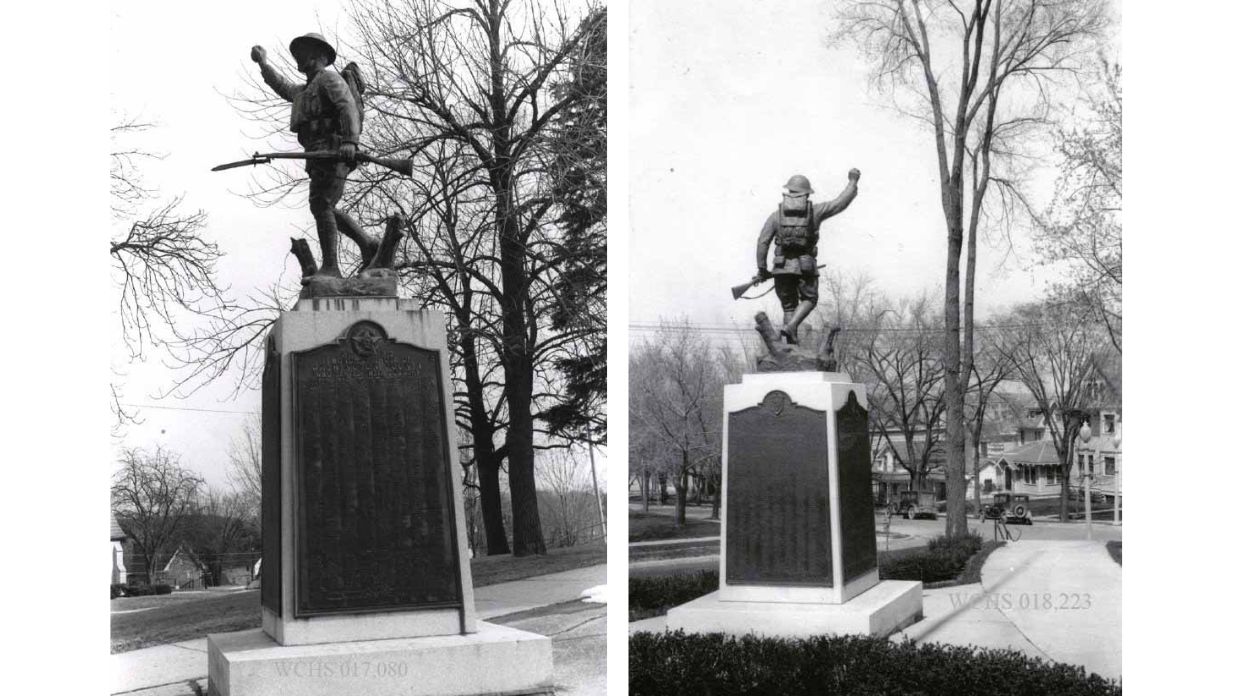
<point>727,104</point>
<point>175,64</point>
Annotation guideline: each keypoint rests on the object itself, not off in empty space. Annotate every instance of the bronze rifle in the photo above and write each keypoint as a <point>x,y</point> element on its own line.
<point>402,166</point>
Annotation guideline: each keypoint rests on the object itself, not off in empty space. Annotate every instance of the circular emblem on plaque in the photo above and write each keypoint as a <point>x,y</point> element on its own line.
<point>364,338</point>
<point>776,401</point>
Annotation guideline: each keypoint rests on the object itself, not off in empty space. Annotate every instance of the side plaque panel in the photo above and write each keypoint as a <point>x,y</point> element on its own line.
<point>375,518</point>
<point>858,539</point>
<point>777,526</point>
<point>272,575</point>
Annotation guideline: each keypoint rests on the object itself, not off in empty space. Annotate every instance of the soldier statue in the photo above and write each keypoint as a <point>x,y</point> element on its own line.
<point>326,116</point>
<point>794,229</point>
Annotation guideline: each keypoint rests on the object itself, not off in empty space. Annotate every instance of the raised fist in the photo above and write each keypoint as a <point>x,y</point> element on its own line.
<point>854,174</point>
<point>258,54</point>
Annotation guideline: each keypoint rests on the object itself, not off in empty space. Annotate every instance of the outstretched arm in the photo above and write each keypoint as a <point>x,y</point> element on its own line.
<point>841,202</point>
<point>274,79</point>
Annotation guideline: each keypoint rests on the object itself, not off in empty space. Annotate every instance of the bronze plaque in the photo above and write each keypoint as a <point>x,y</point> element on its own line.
<point>777,526</point>
<point>858,536</point>
<point>272,508</point>
<point>375,515</point>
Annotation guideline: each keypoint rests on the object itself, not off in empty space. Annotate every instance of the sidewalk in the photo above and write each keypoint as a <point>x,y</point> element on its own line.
<point>1059,600</point>
<point>167,670</point>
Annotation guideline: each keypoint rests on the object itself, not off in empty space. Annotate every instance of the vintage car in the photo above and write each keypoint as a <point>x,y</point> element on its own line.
<point>1009,507</point>
<point>915,504</point>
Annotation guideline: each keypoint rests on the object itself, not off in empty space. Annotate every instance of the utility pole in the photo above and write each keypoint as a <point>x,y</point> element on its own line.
<point>596,491</point>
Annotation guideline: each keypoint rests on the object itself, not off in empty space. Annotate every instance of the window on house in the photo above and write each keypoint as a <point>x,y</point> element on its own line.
<point>1109,466</point>
<point>1051,475</point>
<point>1109,423</point>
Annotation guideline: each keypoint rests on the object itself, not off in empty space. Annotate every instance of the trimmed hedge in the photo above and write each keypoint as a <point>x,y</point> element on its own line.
<point>117,589</point>
<point>943,559</point>
<point>677,663</point>
<point>162,589</point>
<point>138,590</point>
<point>655,596</point>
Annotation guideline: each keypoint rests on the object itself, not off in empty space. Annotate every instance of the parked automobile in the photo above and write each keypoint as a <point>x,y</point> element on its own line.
<point>1009,507</point>
<point>915,504</point>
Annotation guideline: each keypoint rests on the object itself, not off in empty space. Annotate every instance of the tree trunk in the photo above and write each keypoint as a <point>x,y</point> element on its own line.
<point>486,461</point>
<point>647,487</point>
<point>978,493</point>
<point>954,388</point>
<point>662,488</point>
<point>680,497</point>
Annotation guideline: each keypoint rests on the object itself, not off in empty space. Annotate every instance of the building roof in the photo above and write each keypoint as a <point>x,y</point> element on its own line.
<point>117,533</point>
<point>1037,452</point>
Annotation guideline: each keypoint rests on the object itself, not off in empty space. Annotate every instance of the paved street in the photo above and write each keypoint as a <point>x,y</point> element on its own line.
<point>548,604</point>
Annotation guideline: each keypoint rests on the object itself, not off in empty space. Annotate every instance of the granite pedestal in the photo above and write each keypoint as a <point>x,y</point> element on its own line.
<point>798,547</point>
<point>366,585</point>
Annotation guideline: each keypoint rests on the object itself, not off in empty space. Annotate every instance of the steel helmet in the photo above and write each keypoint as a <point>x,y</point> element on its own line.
<point>798,185</point>
<point>302,42</point>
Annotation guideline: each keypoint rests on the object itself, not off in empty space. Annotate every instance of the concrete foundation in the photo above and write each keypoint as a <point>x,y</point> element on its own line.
<point>494,661</point>
<point>886,608</point>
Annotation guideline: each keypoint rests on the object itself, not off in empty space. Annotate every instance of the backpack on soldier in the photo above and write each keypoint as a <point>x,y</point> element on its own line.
<point>356,82</point>
<point>795,231</point>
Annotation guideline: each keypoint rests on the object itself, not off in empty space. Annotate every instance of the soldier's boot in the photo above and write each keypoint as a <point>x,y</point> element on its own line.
<point>791,327</point>
<point>787,316</point>
<point>367,245</point>
<point>328,240</point>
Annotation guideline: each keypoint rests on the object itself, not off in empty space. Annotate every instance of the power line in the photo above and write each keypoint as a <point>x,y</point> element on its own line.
<point>651,326</point>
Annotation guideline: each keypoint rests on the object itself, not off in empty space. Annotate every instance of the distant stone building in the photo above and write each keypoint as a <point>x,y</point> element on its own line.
<point>184,571</point>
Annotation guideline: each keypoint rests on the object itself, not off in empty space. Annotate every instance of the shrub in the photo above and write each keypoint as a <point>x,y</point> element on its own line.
<point>138,590</point>
<point>117,589</point>
<point>676,663</point>
<point>943,559</point>
<point>162,589</point>
<point>653,596</point>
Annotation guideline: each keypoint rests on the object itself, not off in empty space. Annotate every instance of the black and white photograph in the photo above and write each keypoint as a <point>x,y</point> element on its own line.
<point>875,342</point>
<point>359,363</point>
<point>848,273</point>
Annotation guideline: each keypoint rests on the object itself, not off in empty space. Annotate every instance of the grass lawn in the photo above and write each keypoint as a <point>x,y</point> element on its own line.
<point>188,615</point>
<point>649,526</point>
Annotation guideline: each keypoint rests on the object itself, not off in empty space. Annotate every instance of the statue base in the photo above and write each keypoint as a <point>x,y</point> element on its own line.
<point>494,660</point>
<point>377,282</point>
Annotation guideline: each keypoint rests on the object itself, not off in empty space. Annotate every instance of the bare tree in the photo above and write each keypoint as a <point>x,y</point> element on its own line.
<point>484,97</point>
<point>151,497</point>
<point>898,356</point>
<point>675,402</point>
<point>570,512</point>
<point>991,369</point>
<point>244,455</point>
<point>162,262</point>
<point>221,526</point>
<point>981,75</point>
<point>1082,229</point>
<point>1055,349</point>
